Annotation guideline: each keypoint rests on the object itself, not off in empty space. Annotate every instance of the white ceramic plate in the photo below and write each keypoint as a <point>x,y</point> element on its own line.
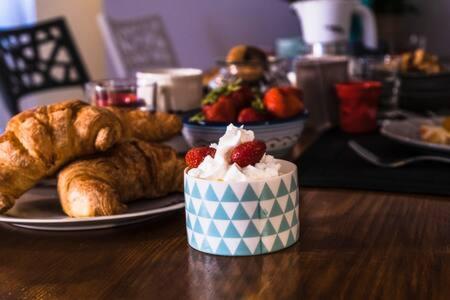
<point>407,132</point>
<point>39,209</point>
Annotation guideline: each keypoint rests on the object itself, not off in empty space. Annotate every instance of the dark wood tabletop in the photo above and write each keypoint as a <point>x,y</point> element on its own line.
<point>353,244</point>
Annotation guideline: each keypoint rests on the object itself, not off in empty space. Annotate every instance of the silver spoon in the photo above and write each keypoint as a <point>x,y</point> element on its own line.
<point>377,161</point>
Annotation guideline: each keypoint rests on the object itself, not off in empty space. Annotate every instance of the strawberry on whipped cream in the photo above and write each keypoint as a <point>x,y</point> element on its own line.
<point>219,166</point>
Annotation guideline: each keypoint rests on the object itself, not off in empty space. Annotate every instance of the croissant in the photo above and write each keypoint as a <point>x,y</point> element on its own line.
<point>150,127</point>
<point>38,142</point>
<point>101,186</point>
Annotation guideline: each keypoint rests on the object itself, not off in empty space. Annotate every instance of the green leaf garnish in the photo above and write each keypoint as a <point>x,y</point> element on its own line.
<point>224,90</point>
<point>258,104</point>
<point>198,117</point>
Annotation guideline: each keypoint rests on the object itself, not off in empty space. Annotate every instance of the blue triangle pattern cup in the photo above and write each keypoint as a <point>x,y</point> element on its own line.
<point>243,218</point>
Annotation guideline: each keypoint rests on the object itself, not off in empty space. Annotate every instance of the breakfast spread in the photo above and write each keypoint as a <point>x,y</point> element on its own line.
<point>236,157</point>
<point>38,143</point>
<point>436,134</point>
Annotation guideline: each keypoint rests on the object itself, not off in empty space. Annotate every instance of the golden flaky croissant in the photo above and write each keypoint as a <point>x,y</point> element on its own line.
<point>150,127</point>
<point>101,185</point>
<point>36,143</point>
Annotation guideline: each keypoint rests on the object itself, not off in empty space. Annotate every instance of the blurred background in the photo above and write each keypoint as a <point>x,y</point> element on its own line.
<point>200,32</point>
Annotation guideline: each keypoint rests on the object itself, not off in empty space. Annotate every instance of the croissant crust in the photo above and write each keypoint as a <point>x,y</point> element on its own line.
<point>102,185</point>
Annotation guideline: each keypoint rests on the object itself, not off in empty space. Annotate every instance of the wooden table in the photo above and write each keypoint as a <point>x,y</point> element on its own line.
<point>353,244</point>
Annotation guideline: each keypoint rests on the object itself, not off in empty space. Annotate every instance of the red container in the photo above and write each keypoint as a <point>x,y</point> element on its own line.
<point>119,92</point>
<point>358,105</point>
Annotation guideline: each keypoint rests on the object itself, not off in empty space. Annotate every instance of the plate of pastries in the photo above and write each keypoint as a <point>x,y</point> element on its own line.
<point>430,134</point>
<point>110,165</point>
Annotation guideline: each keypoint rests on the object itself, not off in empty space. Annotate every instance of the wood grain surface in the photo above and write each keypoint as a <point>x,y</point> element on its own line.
<point>353,245</point>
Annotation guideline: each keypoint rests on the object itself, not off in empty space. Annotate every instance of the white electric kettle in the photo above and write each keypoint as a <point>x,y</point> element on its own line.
<point>326,22</point>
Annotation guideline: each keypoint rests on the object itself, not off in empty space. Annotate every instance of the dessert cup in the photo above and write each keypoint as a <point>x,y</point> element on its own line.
<point>243,218</point>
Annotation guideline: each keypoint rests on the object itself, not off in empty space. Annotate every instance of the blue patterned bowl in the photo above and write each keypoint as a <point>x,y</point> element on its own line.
<point>243,218</point>
<point>280,135</point>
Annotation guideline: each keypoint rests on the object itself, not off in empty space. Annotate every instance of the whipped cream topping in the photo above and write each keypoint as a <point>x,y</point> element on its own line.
<point>219,168</point>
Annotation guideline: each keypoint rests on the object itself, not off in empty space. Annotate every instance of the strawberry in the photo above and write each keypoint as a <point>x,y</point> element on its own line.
<point>242,97</point>
<point>248,153</point>
<point>283,102</point>
<point>195,156</point>
<point>290,90</point>
<point>249,114</point>
<point>206,108</point>
<point>221,111</point>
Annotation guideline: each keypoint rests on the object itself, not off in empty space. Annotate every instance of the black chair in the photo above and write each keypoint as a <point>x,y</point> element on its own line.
<point>38,57</point>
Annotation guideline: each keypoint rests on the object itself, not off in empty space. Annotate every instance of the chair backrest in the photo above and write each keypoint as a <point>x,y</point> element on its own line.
<point>137,44</point>
<point>38,57</point>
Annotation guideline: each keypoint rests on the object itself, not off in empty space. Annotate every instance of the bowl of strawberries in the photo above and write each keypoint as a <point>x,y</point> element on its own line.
<point>276,115</point>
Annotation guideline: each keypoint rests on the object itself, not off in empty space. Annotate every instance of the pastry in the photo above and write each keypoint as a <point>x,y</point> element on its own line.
<point>36,143</point>
<point>148,126</point>
<point>102,185</point>
<point>246,54</point>
<point>435,134</point>
<point>250,62</point>
<point>421,62</point>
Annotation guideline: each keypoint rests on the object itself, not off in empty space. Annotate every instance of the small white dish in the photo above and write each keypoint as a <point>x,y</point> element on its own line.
<point>39,209</point>
<point>408,132</point>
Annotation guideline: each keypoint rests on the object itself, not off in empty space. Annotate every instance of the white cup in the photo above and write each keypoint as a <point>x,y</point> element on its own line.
<point>179,89</point>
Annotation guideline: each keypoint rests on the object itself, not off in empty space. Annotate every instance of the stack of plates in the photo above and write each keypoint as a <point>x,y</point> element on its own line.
<point>421,92</point>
